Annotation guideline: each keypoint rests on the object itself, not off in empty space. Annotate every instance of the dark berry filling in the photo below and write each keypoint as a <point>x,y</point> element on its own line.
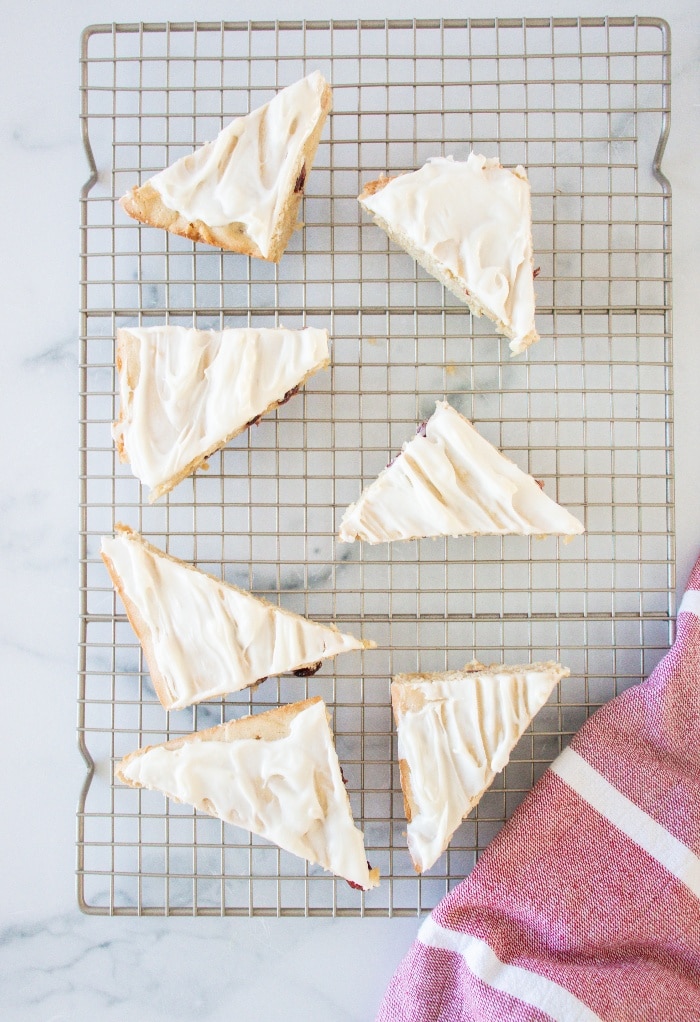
<point>282,401</point>
<point>357,887</point>
<point>420,431</point>
<point>307,672</point>
<point>290,393</point>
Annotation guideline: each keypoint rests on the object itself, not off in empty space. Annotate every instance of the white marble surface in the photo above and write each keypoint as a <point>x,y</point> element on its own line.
<point>54,963</point>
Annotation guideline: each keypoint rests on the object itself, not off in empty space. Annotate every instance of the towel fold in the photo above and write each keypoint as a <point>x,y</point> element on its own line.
<point>587,905</point>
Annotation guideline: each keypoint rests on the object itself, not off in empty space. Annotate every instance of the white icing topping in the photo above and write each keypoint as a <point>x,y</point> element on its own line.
<point>452,482</point>
<point>209,638</point>
<point>473,219</point>
<point>289,790</point>
<point>455,734</point>
<point>184,392</point>
<point>248,172</point>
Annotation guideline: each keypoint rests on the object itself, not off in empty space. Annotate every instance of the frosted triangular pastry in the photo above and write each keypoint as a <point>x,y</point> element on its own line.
<point>456,732</point>
<point>242,191</point>
<point>184,393</point>
<point>449,481</point>
<point>276,774</point>
<point>203,637</point>
<point>469,224</point>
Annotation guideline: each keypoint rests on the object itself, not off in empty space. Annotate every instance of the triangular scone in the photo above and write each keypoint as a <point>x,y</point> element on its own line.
<point>203,637</point>
<point>449,481</point>
<point>468,223</point>
<point>242,191</point>
<point>276,774</point>
<point>456,731</point>
<point>184,392</point>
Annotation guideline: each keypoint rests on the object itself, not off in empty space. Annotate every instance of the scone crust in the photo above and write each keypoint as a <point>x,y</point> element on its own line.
<point>143,632</point>
<point>143,203</point>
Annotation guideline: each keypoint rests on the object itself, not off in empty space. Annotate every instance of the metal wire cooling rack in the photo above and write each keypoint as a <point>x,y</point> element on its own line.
<point>584,105</point>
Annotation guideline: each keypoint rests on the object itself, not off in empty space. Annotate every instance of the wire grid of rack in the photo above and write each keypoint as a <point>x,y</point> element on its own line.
<point>584,105</point>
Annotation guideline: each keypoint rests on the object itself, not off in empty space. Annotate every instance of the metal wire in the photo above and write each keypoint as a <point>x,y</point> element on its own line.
<point>584,104</point>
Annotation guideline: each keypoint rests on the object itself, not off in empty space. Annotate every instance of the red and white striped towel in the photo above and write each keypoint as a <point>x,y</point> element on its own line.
<point>586,907</point>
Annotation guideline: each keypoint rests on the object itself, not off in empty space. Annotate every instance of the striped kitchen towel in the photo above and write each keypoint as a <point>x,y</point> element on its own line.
<point>586,907</point>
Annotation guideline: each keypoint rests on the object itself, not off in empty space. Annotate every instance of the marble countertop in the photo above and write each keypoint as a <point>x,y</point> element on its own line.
<point>56,964</point>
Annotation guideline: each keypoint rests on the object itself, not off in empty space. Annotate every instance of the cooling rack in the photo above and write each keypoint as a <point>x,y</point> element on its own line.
<point>584,104</point>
